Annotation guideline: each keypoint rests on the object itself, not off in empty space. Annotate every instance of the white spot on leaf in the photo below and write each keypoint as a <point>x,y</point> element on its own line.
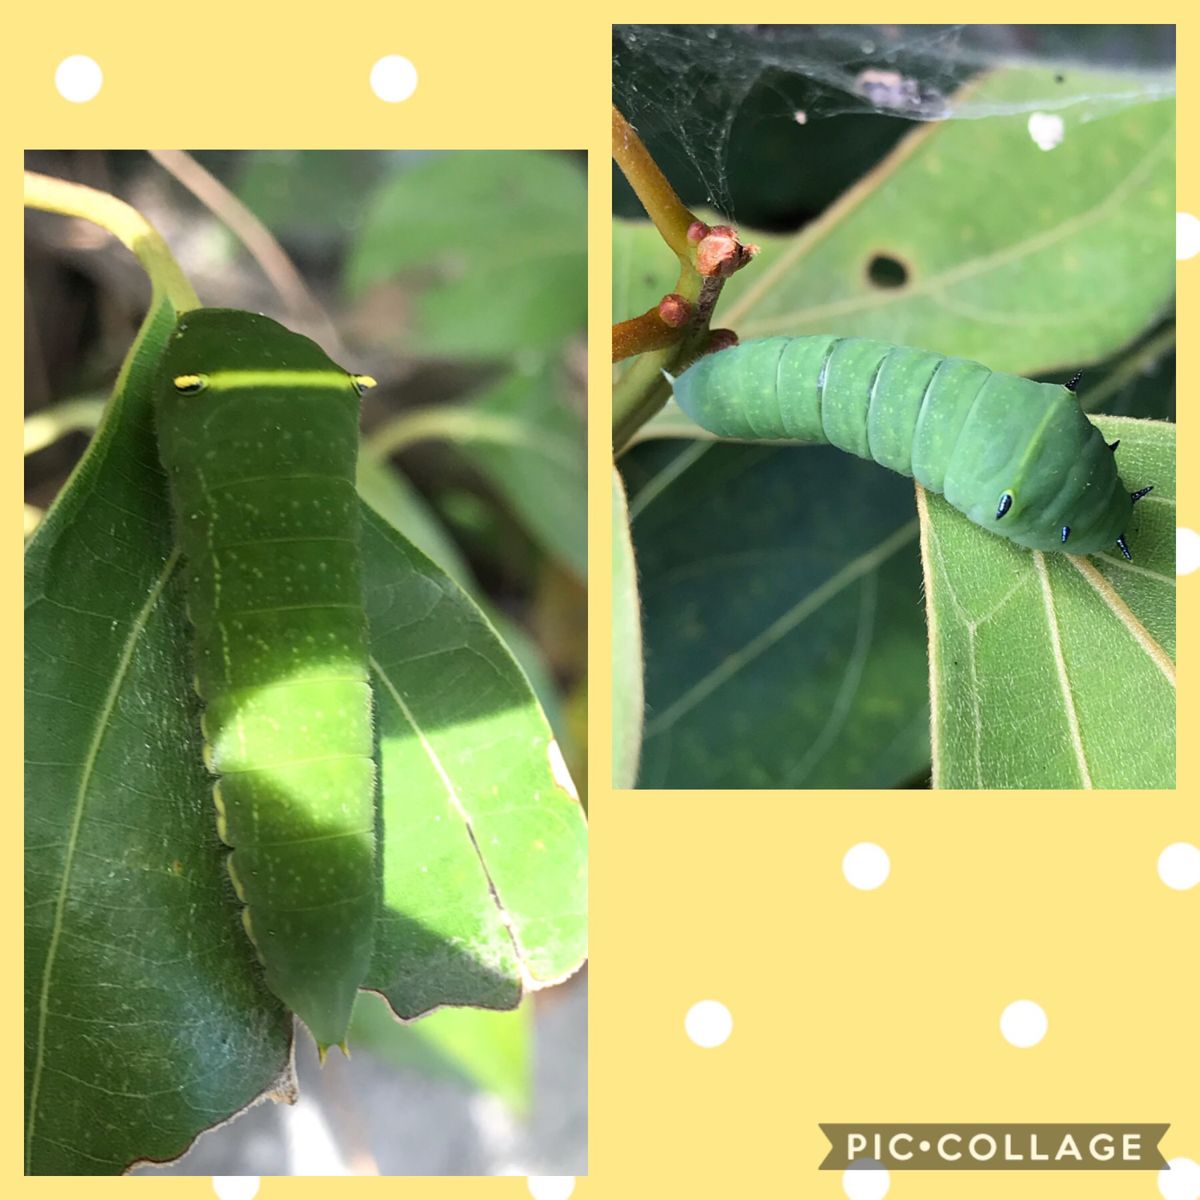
<point>558,768</point>
<point>1046,130</point>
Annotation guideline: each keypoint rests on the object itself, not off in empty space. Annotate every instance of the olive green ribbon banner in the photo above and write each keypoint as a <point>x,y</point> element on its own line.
<point>994,1147</point>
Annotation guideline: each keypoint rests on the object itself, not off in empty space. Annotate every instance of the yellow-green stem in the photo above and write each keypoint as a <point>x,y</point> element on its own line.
<point>670,215</point>
<point>125,223</point>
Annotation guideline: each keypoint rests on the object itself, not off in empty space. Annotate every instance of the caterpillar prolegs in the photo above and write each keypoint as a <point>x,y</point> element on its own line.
<point>258,432</point>
<point>1018,458</point>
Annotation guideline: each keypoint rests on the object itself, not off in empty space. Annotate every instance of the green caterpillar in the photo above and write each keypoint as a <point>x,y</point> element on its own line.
<point>1018,458</point>
<point>258,433</point>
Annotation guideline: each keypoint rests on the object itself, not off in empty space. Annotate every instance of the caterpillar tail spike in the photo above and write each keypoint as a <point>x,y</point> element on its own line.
<point>1113,445</point>
<point>1073,383</point>
<point>1136,496</point>
<point>323,1051</point>
<point>1124,548</point>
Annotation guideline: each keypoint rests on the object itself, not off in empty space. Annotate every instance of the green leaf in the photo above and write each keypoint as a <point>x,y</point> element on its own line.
<point>644,270</point>
<point>1020,258</point>
<point>146,1016</point>
<point>628,701</point>
<point>394,498</point>
<point>484,859</point>
<point>388,491</point>
<point>1052,670</point>
<point>491,1050</point>
<point>781,604</point>
<point>491,247</point>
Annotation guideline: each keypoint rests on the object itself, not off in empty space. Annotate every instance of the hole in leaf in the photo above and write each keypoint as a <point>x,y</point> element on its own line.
<point>884,271</point>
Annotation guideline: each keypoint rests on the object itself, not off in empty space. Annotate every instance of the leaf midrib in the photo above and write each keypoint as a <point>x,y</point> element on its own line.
<point>731,664</point>
<point>459,807</point>
<point>102,726</point>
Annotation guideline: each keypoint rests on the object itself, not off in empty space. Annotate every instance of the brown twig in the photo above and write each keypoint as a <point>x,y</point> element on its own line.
<point>670,215</point>
<point>655,329</point>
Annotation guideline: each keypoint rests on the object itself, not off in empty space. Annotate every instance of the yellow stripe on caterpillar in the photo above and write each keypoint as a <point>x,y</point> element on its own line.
<point>226,381</point>
<point>219,804</point>
<point>233,878</point>
<point>248,927</point>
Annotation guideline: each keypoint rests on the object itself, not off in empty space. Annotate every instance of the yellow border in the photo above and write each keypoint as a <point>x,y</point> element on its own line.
<point>846,1004</point>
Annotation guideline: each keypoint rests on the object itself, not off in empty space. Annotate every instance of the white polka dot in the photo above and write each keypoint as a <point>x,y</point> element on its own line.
<point>1182,1181</point>
<point>1045,129</point>
<point>1187,235</point>
<point>866,1182</point>
<point>551,1187</point>
<point>1179,866</point>
<point>1187,551</point>
<point>866,866</point>
<point>236,1187</point>
<point>78,78</point>
<point>1023,1023</point>
<point>393,78</point>
<point>708,1023</point>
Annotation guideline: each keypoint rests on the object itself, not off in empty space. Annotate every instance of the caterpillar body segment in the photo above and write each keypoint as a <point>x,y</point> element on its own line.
<point>258,433</point>
<point>1017,457</point>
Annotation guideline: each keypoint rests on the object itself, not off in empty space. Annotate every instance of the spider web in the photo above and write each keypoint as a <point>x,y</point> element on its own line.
<point>688,88</point>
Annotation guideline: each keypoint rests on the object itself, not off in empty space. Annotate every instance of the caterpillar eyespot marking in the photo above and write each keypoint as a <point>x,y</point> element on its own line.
<point>189,385</point>
<point>1017,457</point>
<point>258,477</point>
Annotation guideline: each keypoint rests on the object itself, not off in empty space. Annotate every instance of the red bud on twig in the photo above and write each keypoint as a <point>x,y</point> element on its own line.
<point>720,253</point>
<point>675,310</point>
